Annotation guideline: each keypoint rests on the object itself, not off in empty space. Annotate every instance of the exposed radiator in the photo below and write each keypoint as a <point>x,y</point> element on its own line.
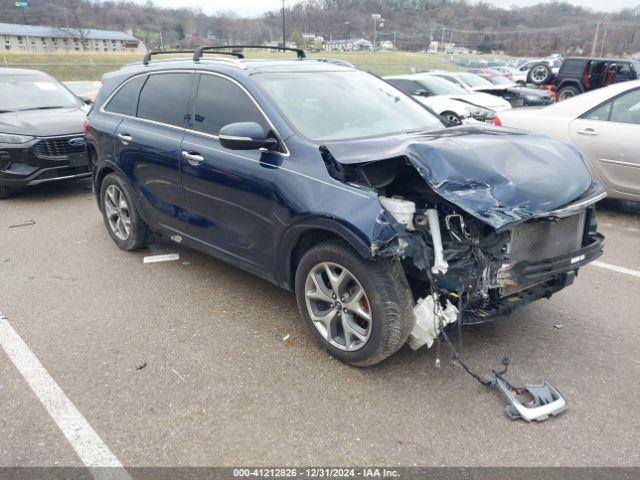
<point>539,241</point>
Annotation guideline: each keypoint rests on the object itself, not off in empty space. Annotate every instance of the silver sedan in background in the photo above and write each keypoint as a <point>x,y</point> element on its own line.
<point>604,124</point>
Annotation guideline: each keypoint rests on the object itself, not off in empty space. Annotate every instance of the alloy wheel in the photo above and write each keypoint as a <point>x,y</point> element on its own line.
<point>117,212</point>
<point>453,119</point>
<point>338,306</point>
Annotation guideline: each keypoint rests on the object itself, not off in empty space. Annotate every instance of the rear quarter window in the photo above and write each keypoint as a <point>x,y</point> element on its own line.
<point>125,101</point>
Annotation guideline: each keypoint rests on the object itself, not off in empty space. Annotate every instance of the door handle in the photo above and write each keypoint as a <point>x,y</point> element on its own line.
<point>125,138</point>
<point>192,157</point>
<point>588,131</point>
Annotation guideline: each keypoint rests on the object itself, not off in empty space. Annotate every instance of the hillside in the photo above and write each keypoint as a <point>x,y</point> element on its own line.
<point>536,30</point>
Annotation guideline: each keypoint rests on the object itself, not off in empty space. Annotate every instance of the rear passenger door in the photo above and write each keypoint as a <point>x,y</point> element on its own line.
<point>147,146</point>
<point>230,194</point>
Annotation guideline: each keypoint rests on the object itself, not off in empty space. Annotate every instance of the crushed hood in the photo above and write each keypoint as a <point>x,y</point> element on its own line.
<point>498,175</point>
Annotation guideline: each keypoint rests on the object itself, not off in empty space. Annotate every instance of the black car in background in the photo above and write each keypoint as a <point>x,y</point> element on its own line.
<point>41,137</point>
<point>582,74</point>
<point>518,95</point>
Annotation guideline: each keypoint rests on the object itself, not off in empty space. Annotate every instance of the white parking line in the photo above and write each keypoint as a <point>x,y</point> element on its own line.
<point>84,440</point>
<point>615,268</point>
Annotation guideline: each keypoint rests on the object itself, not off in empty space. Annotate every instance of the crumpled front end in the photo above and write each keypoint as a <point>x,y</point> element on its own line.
<point>478,237</point>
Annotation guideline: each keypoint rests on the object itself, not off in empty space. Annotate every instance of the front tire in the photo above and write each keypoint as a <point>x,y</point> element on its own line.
<point>121,216</point>
<point>359,310</point>
<point>5,192</point>
<point>453,119</point>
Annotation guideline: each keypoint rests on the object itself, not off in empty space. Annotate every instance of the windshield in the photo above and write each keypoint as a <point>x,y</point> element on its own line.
<point>440,86</point>
<point>32,92</point>
<point>500,81</point>
<point>325,106</point>
<point>474,80</point>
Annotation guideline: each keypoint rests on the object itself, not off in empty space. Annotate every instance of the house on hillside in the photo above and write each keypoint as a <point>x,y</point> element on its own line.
<point>41,39</point>
<point>348,45</point>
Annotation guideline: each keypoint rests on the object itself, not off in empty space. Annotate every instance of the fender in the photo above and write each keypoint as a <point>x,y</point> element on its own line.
<point>289,240</point>
<point>98,174</point>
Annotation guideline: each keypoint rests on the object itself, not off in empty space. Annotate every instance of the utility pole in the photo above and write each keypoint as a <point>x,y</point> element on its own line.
<point>284,43</point>
<point>604,37</point>
<point>442,40</point>
<point>376,17</point>
<point>595,40</point>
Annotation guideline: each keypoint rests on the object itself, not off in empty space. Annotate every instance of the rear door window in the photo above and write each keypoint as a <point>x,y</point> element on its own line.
<point>410,87</point>
<point>164,98</point>
<point>626,108</point>
<point>125,101</point>
<point>220,102</point>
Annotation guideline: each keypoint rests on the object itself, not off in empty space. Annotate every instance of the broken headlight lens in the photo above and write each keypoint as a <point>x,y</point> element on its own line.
<point>12,139</point>
<point>481,114</point>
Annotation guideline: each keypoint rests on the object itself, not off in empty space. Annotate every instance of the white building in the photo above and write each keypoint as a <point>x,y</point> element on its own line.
<point>348,45</point>
<point>38,39</point>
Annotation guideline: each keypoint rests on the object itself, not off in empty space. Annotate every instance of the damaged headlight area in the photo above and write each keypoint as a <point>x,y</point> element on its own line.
<point>461,268</point>
<point>481,114</point>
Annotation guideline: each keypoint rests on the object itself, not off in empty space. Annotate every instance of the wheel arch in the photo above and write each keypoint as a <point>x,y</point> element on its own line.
<point>101,172</point>
<point>570,83</point>
<point>301,236</point>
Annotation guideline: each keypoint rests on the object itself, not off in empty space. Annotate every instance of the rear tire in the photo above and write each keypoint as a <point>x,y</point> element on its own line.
<point>387,301</point>
<point>567,92</point>
<point>121,216</point>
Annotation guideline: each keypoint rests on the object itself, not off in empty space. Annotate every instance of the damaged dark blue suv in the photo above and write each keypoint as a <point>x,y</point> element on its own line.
<point>330,182</point>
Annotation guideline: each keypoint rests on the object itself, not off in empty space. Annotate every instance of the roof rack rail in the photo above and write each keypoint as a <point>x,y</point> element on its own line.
<point>147,57</point>
<point>200,50</point>
<point>197,55</point>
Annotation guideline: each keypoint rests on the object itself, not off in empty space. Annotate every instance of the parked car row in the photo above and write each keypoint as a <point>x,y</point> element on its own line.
<point>448,99</point>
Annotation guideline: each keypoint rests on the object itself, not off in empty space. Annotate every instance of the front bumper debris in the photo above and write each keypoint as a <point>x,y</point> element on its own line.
<point>546,400</point>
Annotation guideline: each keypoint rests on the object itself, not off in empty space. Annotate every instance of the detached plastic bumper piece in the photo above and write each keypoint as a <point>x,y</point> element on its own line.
<point>545,400</point>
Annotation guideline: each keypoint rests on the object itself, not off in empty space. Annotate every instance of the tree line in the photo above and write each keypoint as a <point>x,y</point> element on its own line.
<point>410,24</point>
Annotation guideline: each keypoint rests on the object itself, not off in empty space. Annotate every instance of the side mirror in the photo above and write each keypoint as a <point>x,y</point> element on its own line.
<point>246,136</point>
<point>421,92</point>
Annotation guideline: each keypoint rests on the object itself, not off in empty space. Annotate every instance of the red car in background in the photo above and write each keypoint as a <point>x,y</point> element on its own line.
<point>493,72</point>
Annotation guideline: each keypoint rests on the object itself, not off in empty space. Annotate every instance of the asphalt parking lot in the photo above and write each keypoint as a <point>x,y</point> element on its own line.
<point>184,363</point>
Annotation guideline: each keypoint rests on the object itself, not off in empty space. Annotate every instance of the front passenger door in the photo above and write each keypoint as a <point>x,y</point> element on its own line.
<point>230,194</point>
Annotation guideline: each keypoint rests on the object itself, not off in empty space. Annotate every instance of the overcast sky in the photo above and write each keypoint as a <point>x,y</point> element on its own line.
<point>256,7</point>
